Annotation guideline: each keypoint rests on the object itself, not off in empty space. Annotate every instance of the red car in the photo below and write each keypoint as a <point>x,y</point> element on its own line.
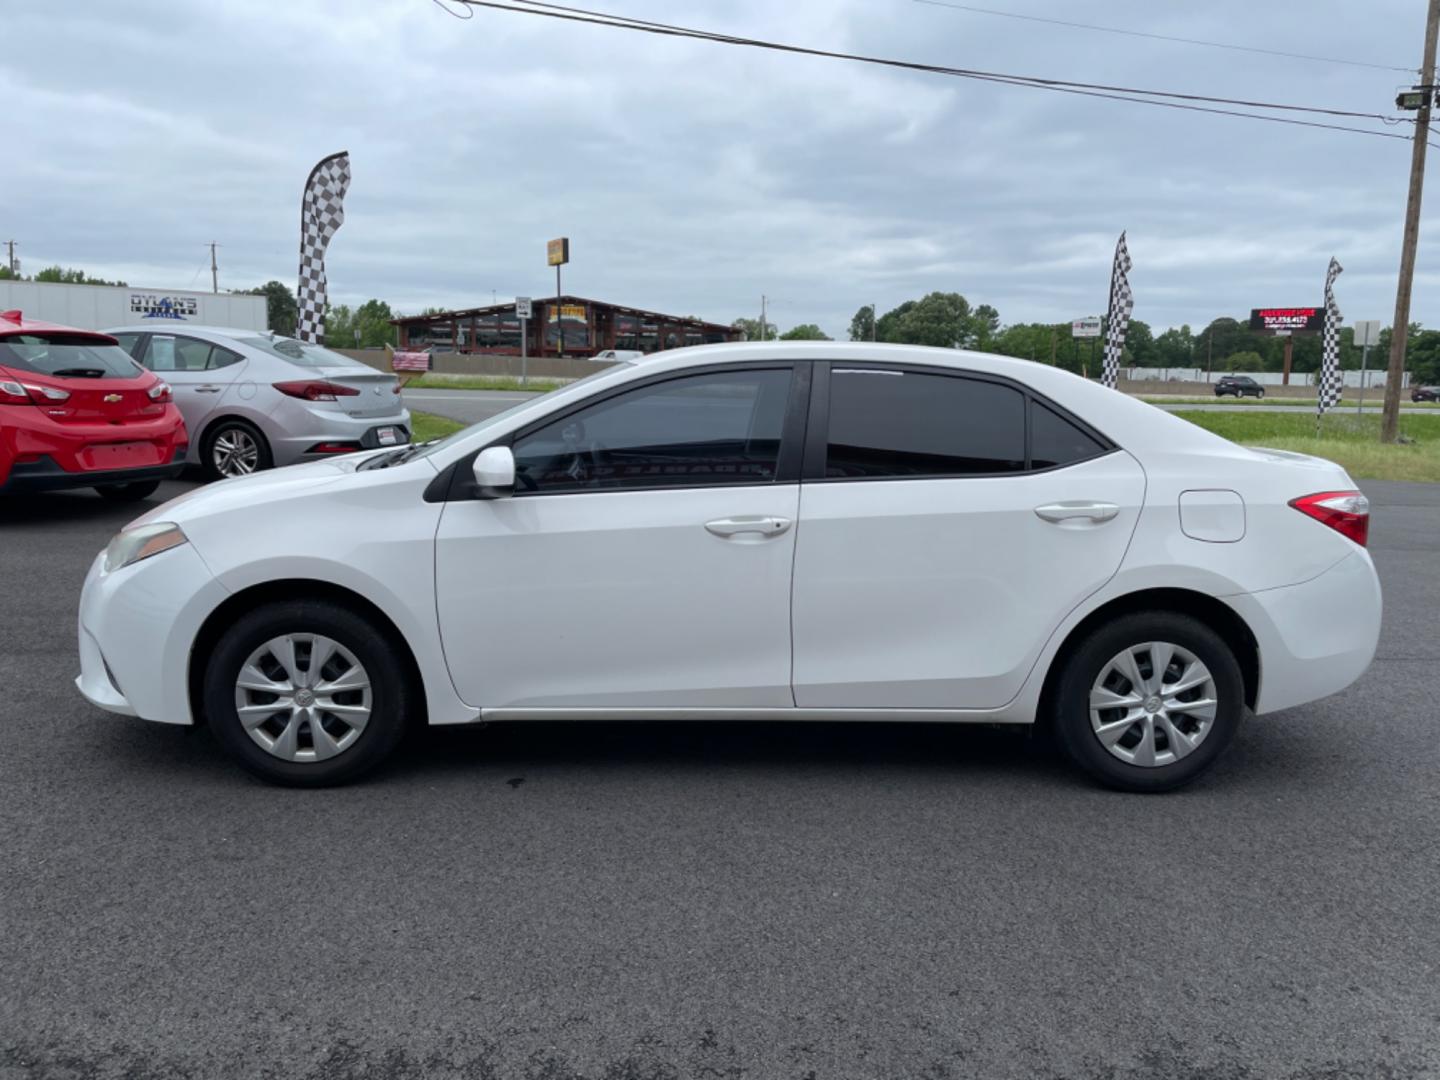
<point>77,411</point>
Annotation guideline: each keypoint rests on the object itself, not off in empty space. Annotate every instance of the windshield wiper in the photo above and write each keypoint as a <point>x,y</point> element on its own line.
<point>395,457</point>
<point>80,373</point>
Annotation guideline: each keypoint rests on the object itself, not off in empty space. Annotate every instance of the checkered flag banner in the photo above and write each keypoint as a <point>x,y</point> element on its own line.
<point>1117,322</point>
<point>1330,379</point>
<point>322,211</point>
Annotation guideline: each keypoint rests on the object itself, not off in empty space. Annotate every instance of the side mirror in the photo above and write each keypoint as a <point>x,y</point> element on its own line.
<point>494,473</point>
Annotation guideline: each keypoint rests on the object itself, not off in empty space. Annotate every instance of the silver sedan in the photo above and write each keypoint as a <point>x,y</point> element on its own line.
<point>252,399</point>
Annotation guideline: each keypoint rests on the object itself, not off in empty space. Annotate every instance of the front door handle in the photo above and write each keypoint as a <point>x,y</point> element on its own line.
<point>736,526</point>
<point>1095,512</point>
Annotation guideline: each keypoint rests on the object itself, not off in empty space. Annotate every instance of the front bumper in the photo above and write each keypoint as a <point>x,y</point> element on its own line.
<point>1315,638</point>
<point>47,475</point>
<point>136,629</point>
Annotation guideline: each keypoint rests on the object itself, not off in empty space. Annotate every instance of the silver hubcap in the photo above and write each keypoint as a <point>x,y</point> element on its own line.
<point>235,453</point>
<point>303,697</point>
<point>1153,704</point>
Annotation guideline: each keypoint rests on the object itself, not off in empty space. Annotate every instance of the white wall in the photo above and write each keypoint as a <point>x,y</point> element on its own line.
<point>100,307</point>
<point>1373,377</point>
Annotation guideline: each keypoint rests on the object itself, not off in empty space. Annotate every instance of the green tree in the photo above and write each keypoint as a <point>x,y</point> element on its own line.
<point>1140,348</point>
<point>1175,348</point>
<point>1034,341</point>
<point>805,332</point>
<point>371,320</point>
<point>1242,361</point>
<point>862,326</point>
<point>282,312</point>
<point>65,275</point>
<point>751,329</point>
<point>943,320</point>
<point>6,274</point>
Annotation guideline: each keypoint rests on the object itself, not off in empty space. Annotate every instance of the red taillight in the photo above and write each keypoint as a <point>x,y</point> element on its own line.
<point>315,390</point>
<point>1347,512</point>
<point>160,393</point>
<point>13,392</point>
<point>334,448</point>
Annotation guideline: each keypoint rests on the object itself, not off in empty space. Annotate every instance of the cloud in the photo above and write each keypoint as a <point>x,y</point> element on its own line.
<point>693,177</point>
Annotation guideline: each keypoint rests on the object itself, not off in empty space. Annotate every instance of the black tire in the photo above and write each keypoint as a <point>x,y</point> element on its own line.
<point>141,489</point>
<point>393,694</point>
<point>1259,394</point>
<point>263,458</point>
<point>1071,701</point>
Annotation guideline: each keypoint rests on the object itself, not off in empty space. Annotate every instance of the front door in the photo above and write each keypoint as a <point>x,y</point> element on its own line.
<point>645,559</point>
<point>939,544</point>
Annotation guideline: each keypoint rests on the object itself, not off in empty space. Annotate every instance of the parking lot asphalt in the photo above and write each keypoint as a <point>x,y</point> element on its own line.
<point>651,901</point>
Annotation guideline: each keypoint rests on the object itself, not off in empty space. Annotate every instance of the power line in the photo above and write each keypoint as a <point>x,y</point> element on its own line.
<point>1100,90</point>
<point>1162,37</point>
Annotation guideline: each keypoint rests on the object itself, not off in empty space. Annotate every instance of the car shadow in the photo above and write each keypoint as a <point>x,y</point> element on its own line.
<point>79,506</point>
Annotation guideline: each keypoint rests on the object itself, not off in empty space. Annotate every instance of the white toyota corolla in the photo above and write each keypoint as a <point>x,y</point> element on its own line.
<point>812,531</point>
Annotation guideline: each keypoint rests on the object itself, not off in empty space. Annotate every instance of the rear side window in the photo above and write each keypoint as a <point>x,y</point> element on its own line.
<point>221,357</point>
<point>892,423</point>
<point>129,342</point>
<point>66,356</point>
<point>168,353</point>
<point>1056,441</point>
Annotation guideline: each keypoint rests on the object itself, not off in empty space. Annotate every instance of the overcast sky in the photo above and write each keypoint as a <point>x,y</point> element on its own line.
<point>690,177</point>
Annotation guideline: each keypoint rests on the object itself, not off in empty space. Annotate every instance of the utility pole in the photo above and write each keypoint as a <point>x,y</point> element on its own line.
<point>874,321</point>
<point>10,261</point>
<point>214,270</point>
<point>1400,329</point>
<point>762,302</point>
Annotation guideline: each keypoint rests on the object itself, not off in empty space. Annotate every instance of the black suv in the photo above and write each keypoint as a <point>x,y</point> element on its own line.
<point>1239,386</point>
<point>1425,393</point>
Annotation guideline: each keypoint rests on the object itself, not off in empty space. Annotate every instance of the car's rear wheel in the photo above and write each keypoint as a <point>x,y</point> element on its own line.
<point>307,693</point>
<point>1260,393</point>
<point>1148,702</point>
<point>141,489</point>
<point>235,448</point>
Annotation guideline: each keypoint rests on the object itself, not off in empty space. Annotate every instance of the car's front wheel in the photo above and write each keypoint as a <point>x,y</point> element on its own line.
<point>307,693</point>
<point>234,448</point>
<point>1148,702</point>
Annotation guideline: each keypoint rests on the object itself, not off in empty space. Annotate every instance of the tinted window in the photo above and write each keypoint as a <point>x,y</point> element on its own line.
<point>301,352</point>
<point>906,424</point>
<point>721,428</point>
<point>66,355</point>
<point>1056,441</point>
<point>223,357</point>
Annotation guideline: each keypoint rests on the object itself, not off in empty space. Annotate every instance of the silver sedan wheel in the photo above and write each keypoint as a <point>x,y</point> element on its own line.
<point>303,697</point>
<point>1153,704</point>
<point>235,452</point>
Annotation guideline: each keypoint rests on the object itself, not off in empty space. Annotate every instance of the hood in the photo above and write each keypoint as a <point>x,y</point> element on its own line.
<point>272,485</point>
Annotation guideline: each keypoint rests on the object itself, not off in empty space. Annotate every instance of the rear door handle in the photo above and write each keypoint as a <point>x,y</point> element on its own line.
<point>737,526</point>
<point>1095,512</point>
<point>207,389</point>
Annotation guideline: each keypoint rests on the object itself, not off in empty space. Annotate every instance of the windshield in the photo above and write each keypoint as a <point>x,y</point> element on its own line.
<point>491,421</point>
<point>300,352</point>
<point>67,355</point>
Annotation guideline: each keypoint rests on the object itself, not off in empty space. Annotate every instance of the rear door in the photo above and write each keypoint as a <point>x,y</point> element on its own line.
<point>948,523</point>
<point>200,373</point>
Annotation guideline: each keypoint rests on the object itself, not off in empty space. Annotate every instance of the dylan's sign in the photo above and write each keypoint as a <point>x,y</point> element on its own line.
<point>164,305</point>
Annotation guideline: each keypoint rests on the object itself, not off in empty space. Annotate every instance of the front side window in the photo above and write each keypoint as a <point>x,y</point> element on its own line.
<point>66,355</point>
<point>699,430</point>
<point>907,424</point>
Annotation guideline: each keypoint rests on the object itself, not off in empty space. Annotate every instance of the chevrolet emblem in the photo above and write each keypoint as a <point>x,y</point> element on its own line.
<point>112,398</point>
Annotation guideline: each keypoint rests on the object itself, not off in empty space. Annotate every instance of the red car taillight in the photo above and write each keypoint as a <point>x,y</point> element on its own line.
<point>1347,512</point>
<point>315,390</point>
<point>18,393</point>
<point>12,393</point>
<point>160,393</point>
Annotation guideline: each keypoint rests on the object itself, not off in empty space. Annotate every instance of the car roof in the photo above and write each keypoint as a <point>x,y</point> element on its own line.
<point>168,327</point>
<point>13,323</point>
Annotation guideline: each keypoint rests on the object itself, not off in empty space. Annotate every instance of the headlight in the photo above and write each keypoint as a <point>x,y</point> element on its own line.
<point>132,545</point>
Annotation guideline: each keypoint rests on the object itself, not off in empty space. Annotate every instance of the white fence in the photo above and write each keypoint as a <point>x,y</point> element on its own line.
<point>1373,377</point>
